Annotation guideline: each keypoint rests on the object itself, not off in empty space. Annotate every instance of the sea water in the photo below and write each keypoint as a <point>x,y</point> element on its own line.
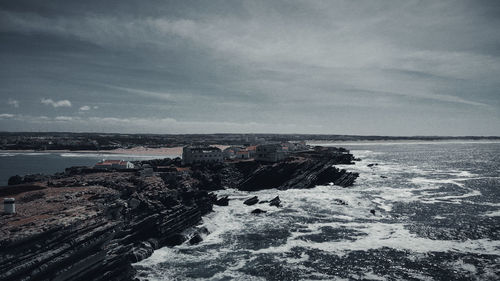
<point>437,217</point>
<point>23,163</point>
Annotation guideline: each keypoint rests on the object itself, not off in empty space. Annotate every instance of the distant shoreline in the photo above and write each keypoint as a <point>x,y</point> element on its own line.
<point>400,142</point>
<point>139,150</point>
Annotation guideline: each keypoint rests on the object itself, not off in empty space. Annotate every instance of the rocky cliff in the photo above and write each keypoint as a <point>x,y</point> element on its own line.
<point>91,225</point>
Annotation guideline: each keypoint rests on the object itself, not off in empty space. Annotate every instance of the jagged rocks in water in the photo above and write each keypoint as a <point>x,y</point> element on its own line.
<point>306,173</point>
<point>90,224</point>
<point>372,164</point>
<point>195,239</point>
<point>174,240</point>
<point>203,230</point>
<point>224,201</point>
<point>275,202</point>
<point>142,251</point>
<point>258,211</point>
<point>251,201</point>
<point>372,211</point>
<point>340,202</point>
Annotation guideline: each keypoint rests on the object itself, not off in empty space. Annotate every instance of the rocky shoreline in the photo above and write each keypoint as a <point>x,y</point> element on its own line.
<point>88,224</point>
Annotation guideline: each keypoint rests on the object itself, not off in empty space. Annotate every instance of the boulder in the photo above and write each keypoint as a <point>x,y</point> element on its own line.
<point>133,203</point>
<point>224,201</point>
<point>15,180</point>
<point>203,230</point>
<point>340,202</point>
<point>275,202</point>
<point>174,240</point>
<point>372,211</point>
<point>258,211</point>
<point>251,201</point>
<point>141,251</point>
<point>195,239</point>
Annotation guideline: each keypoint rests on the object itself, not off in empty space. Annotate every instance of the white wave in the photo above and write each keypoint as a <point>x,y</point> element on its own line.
<point>386,143</point>
<point>492,214</point>
<point>380,235</point>
<point>370,275</point>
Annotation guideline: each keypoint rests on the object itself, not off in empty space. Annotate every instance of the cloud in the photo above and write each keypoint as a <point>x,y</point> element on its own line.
<point>6,116</point>
<point>14,103</point>
<point>64,118</point>
<point>55,104</point>
<point>151,125</point>
<point>143,93</point>
<point>307,62</point>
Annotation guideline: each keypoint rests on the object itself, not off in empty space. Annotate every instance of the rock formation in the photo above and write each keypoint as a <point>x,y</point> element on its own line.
<point>87,224</point>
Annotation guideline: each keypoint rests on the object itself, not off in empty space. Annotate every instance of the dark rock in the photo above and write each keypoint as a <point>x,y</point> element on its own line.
<point>203,230</point>
<point>251,201</point>
<point>372,211</point>
<point>258,211</point>
<point>372,164</point>
<point>384,177</point>
<point>306,173</point>
<point>224,201</point>
<point>340,202</point>
<point>195,239</point>
<point>174,240</point>
<point>133,203</point>
<point>140,252</point>
<point>15,180</point>
<point>275,202</point>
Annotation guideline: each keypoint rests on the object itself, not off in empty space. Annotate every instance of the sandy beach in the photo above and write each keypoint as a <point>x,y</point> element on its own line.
<point>139,150</point>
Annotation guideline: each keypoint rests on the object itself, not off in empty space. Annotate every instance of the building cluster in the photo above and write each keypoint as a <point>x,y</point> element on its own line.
<point>270,152</point>
<point>114,164</point>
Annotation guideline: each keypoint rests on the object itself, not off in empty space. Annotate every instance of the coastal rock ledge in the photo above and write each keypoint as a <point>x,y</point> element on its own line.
<point>92,225</point>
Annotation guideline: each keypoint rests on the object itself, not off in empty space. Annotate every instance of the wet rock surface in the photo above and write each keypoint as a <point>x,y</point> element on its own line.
<point>224,201</point>
<point>258,211</point>
<point>251,201</point>
<point>275,202</point>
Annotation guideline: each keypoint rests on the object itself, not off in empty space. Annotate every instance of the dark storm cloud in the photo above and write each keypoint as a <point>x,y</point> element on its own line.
<point>362,67</point>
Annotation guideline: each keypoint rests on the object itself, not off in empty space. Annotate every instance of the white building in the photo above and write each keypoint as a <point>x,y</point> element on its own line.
<point>270,153</point>
<point>206,154</point>
<point>114,164</point>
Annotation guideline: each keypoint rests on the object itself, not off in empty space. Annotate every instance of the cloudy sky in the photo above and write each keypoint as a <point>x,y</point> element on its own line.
<point>333,67</point>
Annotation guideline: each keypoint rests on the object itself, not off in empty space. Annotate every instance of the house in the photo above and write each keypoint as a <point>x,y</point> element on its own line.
<point>251,150</point>
<point>114,164</point>
<point>230,152</point>
<point>270,153</point>
<point>295,146</point>
<point>242,154</point>
<point>201,154</point>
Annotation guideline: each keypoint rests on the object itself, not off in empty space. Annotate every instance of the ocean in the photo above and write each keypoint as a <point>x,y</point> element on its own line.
<point>437,217</point>
<point>23,163</point>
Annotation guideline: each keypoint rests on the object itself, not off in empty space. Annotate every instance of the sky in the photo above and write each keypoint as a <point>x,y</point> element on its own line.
<point>330,67</point>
